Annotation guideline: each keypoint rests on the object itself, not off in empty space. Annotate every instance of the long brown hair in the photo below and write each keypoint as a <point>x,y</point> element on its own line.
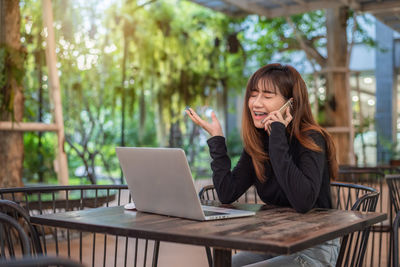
<point>290,84</point>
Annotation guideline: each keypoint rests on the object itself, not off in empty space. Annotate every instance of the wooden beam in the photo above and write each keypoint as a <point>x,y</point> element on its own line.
<point>27,126</point>
<point>334,69</point>
<point>389,22</point>
<point>250,7</point>
<point>297,9</point>
<point>283,10</point>
<point>354,88</point>
<point>300,2</point>
<point>338,129</point>
<point>374,7</point>
<point>351,3</point>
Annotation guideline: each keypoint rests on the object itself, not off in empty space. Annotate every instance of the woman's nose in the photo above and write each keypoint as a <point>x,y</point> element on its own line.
<point>257,101</point>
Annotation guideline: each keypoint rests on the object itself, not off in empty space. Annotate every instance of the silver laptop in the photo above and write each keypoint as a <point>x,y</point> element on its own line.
<point>160,181</point>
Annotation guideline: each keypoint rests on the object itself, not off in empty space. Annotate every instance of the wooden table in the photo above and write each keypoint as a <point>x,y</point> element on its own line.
<point>274,230</point>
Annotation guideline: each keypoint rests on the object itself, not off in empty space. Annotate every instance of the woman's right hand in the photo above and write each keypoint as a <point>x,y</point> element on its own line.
<point>214,128</point>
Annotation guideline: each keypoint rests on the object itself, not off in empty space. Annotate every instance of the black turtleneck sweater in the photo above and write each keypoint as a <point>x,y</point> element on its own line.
<point>297,177</point>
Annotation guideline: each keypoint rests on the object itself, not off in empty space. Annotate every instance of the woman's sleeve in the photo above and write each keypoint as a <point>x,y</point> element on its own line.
<point>230,185</point>
<point>302,182</point>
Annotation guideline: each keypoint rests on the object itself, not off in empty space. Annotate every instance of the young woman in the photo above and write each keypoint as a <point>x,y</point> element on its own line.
<point>287,156</point>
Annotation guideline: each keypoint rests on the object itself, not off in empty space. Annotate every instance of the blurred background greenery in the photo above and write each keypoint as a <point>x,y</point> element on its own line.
<point>129,68</point>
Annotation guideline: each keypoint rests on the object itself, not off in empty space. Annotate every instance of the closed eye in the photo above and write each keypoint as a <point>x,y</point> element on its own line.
<point>254,92</point>
<point>269,92</point>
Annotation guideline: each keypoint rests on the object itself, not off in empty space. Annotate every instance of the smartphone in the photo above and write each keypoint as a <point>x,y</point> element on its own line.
<point>188,109</point>
<point>282,110</point>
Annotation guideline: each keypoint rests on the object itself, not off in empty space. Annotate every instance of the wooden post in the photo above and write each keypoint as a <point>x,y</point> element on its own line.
<point>337,77</point>
<point>61,165</point>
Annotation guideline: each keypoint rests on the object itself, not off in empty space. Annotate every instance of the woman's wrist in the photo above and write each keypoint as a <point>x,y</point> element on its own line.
<point>278,127</point>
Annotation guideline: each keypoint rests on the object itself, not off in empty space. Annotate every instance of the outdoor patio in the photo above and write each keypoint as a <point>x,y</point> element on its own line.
<point>80,78</point>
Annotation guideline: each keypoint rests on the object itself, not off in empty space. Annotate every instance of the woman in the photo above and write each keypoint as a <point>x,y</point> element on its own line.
<point>287,156</point>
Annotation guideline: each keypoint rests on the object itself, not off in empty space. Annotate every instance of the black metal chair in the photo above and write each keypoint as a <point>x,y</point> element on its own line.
<point>377,253</point>
<point>40,261</point>
<point>20,244</point>
<point>100,249</point>
<point>344,196</point>
<point>393,182</point>
<point>360,198</point>
<point>14,242</point>
<point>250,196</point>
<point>22,217</point>
<point>396,222</point>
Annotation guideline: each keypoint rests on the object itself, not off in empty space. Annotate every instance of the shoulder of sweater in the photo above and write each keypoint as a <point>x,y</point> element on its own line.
<point>317,137</point>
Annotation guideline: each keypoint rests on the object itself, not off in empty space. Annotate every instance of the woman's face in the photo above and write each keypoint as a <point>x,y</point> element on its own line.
<point>264,100</point>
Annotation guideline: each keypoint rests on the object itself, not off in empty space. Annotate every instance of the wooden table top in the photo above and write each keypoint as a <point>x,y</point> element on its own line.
<point>273,230</point>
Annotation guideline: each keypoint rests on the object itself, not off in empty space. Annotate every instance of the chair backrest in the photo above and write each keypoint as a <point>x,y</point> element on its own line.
<point>347,196</point>
<point>393,182</point>
<point>396,225</point>
<point>386,169</point>
<point>353,197</point>
<point>377,253</point>
<point>14,242</point>
<point>116,250</point>
<point>22,217</point>
<point>370,177</point>
<point>208,192</point>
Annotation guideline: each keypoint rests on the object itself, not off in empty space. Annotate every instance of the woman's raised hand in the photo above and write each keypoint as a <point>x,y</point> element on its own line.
<point>214,128</point>
<point>277,116</point>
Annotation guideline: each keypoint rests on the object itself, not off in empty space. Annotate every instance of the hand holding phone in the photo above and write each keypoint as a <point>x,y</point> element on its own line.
<point>282,110</point>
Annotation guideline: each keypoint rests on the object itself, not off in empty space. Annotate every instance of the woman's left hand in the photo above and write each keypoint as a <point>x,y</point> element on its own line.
<point>277,116</point>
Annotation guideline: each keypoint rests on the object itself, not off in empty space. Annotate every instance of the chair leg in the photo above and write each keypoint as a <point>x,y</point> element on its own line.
<point>209,256</point>
<point>342,251</point>
<point>155,252</point>
<point>391,250</point>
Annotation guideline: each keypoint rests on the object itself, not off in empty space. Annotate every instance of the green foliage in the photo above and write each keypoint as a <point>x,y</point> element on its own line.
<point>39,158</point>
<point>131,63</point>
<point>129,68</point>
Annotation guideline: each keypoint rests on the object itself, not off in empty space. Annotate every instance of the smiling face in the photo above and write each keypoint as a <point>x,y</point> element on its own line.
<point>263,100</point>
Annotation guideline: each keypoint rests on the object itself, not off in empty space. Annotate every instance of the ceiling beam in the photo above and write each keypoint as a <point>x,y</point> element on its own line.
<point>378,7</point>
<point>390,23</point>
<point>250,7</point>
<point>300,2</point>
<point>351,3</point>
<point>283,10</point>
<point>307,7</point>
